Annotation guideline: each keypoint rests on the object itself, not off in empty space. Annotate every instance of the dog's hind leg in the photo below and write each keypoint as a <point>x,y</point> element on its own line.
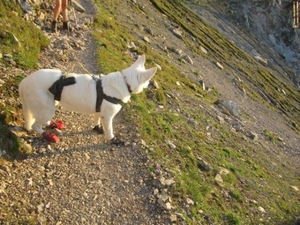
<point>28,117</point>
<point>43,116</point>
<point>38,127</point>
<point>48,136</point>
<point>98,127</point>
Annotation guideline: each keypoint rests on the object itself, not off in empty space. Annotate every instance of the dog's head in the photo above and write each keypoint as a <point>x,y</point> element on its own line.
<point>137,77</point>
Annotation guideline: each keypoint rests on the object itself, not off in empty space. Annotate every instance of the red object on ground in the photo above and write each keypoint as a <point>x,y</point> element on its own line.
<point>57,124</point>
<point>50,137</point>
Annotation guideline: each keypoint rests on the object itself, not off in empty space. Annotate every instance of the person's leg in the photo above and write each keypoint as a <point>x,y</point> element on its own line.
<point>57,9</point>
<point>65,10</point>
<point>65,15</point>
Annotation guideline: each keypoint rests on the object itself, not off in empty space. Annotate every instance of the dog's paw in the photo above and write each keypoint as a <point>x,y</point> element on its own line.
<point>50,137</point>
<point>57,124</point>
<point>116,141</point>
<point>99,129</point>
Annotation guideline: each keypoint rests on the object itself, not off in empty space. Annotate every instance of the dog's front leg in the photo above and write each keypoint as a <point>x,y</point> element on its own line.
<point>108,129</point>
<point>107,126</point>
<point>97,123</point>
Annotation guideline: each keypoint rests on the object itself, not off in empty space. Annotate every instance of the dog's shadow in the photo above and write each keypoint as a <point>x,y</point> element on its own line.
<point>41,148</point>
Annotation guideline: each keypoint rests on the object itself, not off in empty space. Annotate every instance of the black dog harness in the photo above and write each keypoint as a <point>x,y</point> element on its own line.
<point>57,87</point>
<point>101,96</point>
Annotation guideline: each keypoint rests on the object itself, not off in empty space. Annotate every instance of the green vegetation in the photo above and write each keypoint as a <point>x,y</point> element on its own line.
<point>253,180</point>
<point>224,51</point>
<point>23,42</point>
<point>18,37</point>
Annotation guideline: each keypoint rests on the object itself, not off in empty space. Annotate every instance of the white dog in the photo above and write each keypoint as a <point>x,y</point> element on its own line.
<point>41,90</point>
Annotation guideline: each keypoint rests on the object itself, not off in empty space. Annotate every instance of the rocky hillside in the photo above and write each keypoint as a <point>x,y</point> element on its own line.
<point>213,140</point>
<point>271,23</point>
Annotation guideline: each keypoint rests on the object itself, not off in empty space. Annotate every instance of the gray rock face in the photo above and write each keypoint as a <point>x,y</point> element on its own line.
<point>272,23</point>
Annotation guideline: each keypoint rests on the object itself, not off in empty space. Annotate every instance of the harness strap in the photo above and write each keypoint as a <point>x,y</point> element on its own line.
<point>101,96</point>
<point>57,87</point>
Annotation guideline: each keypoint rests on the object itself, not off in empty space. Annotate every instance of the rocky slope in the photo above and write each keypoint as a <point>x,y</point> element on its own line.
<point>85,180</point>
<point>271,22</point>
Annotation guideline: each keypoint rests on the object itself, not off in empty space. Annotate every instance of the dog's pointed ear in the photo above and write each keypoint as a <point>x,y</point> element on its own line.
<point>139,62</point>
<point>148,74</point>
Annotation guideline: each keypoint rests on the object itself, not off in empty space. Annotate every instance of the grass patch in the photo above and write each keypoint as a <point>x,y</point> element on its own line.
<point>272,137</point>
<point>18,37</point>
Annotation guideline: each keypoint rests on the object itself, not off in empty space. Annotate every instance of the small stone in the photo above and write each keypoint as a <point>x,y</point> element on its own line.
<point>179,215</point>
<point>149,30</point>
<point>156,191</point>
<point>253,136</point>
<point>218,179</point>
<point>26,148</point>
<point>131,45</point>
<point>253,202</point>
<point>146,39</point>
<point>42,150</point>
<point>228,107</point>
<point>203,165</point>
<point>262,60</point>
<point>48,205</point>
<point>158,66</point>
<point>200,211</point>
<point>188,59</point>
<point>168,206</point>
<point>178,33</point>
<point>224,171</point>
<point>171,145</point>
<point>143,143</point>
<point>42,219</point>
<point>40,208</point>
<point>175,50</point>
<point>156,183</point>
<point>202,84</point>
<point>261,209</point>
<point>163,197</point>
<point>1,82</point>
<point>78,7</point>
<point>219,65</point>
<point>2,152</point>
<point>173,218</point>
<point>295,188</point>
<point>203,50</point>
<point>169,182</point>
<point>221,119</point>
<point>29,182</point>
<point>50,182</point>
<point>6,55</point>
<point>190,201</point>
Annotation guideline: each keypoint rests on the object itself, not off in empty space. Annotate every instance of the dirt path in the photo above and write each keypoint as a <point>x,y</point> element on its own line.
<point>82,179</point>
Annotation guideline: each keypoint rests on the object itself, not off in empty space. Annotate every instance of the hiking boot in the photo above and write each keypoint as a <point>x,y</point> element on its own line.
<point>54,27</point>
<point>66,26</point>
